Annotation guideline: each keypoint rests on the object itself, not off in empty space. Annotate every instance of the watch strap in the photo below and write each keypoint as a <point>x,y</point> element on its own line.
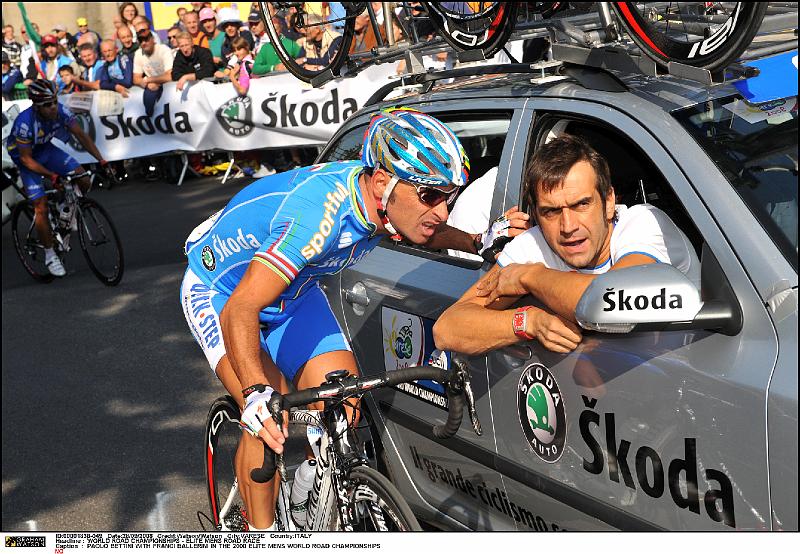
<point>520,323</point>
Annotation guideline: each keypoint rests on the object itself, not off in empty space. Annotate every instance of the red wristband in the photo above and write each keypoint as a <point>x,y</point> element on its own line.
<point>520,323</point>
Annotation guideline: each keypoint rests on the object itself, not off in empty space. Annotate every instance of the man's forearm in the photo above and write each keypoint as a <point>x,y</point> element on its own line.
<point>473,329</point>
<point>558,290</point>
<point>89,145</point>
<point>452,238</point>
<point>161,79</point>
<point>240,332</point>
<point>35,166</point>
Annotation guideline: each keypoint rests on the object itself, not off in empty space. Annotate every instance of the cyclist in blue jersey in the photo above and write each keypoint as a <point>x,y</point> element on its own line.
<point>31,149</point>
<point>251,295</point>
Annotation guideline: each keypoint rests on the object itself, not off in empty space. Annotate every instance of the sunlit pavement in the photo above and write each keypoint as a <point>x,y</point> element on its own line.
<point>104,391</point>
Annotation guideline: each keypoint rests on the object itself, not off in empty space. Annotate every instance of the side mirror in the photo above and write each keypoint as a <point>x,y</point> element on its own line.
<point>652,297</point>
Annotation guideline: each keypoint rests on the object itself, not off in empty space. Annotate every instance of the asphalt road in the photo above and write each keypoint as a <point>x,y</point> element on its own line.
<point>104,390</point>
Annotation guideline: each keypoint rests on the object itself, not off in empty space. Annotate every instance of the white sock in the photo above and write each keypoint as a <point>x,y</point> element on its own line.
<point>273,527</point>
<point>49,254</point>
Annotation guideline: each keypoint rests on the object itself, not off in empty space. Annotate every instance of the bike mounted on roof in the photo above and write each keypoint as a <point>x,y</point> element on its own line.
<point>704,35</point>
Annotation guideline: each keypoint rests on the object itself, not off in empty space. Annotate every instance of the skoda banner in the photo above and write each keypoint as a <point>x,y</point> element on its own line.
<point>278,111</point>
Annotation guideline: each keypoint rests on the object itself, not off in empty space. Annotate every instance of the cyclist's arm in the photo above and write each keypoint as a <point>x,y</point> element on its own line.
<point>453,239</point>
<point>259,288</point>
<point>27,159</point>
<point>86,141</point>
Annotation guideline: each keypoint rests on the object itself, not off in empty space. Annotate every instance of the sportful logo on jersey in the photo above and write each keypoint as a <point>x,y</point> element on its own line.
<point>326,224</point>
<point>236,116</point>
<point>345,239</point>
<point>541,412</point>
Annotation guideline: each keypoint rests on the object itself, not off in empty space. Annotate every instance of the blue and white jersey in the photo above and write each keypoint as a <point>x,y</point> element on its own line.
<point>301,224</point>
<point>29,130</point>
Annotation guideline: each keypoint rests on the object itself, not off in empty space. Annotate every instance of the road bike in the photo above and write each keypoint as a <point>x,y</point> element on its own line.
<point>347,494</point>
<point>68,211</point>
<point>708,35</point>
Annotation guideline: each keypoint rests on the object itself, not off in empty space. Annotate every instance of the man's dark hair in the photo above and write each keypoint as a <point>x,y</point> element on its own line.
<point>67,68</point>
<point>85,46</point>
<point>549,167</point>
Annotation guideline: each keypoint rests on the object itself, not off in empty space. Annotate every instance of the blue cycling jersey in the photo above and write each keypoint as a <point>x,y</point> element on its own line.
<point>301,224</point>
<point>32,131</point>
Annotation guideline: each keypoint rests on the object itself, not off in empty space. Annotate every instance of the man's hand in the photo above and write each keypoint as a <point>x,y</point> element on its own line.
<point>553,332</point>
<point>508,281</point>
<point>153,86</point>
<point>512,223</point>
<point>181,83</point>
<point>257,420</point>
<point>122,90</point>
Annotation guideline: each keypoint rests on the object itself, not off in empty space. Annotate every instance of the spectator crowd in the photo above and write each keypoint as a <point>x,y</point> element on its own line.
<point>203,43</point>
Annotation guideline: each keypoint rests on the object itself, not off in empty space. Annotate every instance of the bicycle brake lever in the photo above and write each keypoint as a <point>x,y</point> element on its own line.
<point>461,368</point>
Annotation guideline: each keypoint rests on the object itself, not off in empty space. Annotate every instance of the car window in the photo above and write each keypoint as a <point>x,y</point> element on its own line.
<point>483,137</point>
<point>755,146</point>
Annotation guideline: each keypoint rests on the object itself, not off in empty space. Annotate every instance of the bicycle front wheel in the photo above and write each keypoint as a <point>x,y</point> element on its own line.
<point>334,38</point>
<point>221,441</point>
<point>29,248</point>
<point>376,503</point>
<point>100,242</point>
<point>701,34</point>
<point>474,25</point>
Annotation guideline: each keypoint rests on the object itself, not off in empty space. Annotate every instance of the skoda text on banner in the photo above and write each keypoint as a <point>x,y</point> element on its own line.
<point>278,112</point>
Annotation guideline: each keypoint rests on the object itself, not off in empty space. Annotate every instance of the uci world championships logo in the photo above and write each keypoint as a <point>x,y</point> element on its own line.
<point>541,412</point>
<point>86,124</point>
<point>207,255</point>
<point>236,116</point>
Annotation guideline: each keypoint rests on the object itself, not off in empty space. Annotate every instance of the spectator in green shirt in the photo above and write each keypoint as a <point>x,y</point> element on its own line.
<point>267,59</point>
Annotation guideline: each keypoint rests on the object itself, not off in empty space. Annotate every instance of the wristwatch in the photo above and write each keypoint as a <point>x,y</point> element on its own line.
<point>520,323</point>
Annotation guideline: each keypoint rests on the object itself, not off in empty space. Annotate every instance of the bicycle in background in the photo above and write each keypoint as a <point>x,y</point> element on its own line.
<point>69,212</point>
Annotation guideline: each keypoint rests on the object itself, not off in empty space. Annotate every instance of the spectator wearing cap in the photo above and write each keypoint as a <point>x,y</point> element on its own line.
<point>83,30</point>
<point>192,62</point>
<point>259,32</point>
<point>117,71</point>
<point>66,40</point>
<point>231,24</point>
<point>267,59</point>
<point>11,77</point>
<point>127,45</point>
<point>11,47</point>
<point>51,58</point>
<point>152,67</point>
<point>208,23</point>
<point>90,76</point>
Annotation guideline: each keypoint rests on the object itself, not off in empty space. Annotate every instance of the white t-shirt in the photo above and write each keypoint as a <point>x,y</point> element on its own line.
<point>158,63</point>
<point>640,229</point>
<point>471,212</point>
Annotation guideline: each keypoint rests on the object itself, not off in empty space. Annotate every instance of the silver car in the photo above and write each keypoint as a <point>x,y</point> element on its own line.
<point>682,424</point>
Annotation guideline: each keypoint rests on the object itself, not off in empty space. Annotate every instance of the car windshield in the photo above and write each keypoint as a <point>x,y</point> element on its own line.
<point>755,146</point>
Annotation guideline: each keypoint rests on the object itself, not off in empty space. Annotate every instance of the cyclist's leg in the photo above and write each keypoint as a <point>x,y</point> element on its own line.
<point>201,307</point>
<point>35,190</point>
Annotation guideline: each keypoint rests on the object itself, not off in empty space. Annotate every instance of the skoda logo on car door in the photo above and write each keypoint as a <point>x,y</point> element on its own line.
<point>541,412</point>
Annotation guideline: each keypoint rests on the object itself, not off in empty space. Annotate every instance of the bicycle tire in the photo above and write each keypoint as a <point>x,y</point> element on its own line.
<point>486,30</point>
<point>221,441</point>
<point>331,70</point>
<point>28,247</point>
<point>94,233</point>
<point>377,504</point>
<point>722,45</point>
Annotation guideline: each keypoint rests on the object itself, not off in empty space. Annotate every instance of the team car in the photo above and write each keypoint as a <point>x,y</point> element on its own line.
<point>681,419</point>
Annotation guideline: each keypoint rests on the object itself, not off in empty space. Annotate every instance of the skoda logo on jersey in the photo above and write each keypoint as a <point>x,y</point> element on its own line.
<point>541,412</point>
<point>207,255</point>
<point>236,116</point>
<point>86,124</point>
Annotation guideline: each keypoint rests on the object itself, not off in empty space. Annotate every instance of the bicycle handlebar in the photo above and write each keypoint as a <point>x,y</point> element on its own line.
<point>453,382</point>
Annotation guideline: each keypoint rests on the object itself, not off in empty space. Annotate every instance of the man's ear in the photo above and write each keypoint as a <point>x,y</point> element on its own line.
<point>611,204</point>
<point>379,180</point>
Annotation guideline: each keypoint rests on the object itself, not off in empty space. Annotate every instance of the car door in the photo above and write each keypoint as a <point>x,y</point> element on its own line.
<point>650,430</point>
<point>389,302</point>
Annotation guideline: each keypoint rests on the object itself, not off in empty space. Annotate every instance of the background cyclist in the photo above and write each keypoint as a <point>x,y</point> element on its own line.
<point>258,260</point>
<point>40,161</point>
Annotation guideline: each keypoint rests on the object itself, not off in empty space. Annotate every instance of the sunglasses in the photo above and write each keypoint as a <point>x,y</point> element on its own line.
<point>144,37</point>
<point>48,104</point>
<point>433,196</point>
<point>172,37</point>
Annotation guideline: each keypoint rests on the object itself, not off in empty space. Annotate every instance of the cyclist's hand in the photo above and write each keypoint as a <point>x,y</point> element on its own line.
<point>257,420</point>
<point>553,332</point>
<point>57,182</point>
<point>512,223</point>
